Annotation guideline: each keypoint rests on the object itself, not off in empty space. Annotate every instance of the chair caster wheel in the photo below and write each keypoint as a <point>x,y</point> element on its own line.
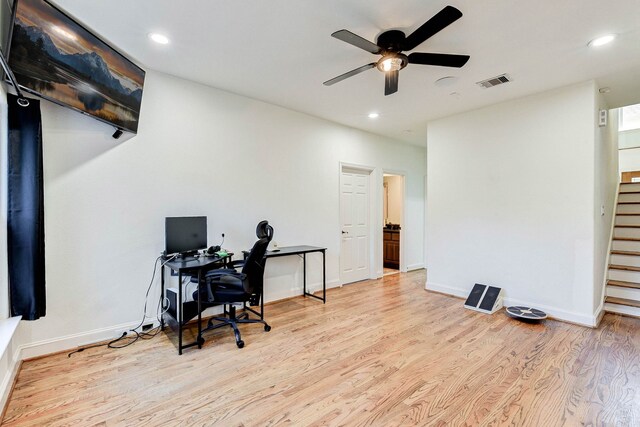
<point>200,341</point>
<point>240,344</point>
<point>267,328</point>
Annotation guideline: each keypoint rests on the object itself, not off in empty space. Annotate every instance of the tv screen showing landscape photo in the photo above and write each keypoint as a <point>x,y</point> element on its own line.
<point>53,56</point>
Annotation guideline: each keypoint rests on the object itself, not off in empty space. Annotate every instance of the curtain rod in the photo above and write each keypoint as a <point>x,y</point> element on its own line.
<point>22,101</point>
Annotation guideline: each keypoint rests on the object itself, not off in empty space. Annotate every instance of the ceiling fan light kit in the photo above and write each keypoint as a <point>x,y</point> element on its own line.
<point>392,62</point>
<point>390,44</point>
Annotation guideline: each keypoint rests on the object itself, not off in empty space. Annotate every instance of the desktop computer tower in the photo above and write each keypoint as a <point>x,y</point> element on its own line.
<point>189,308</point>
<point>172,297</point>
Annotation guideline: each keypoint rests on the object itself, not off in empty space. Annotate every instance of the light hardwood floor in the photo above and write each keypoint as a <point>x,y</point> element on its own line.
<point>383,353</point>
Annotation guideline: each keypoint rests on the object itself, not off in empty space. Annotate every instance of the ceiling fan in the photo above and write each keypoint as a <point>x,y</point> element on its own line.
<point>390,44</point>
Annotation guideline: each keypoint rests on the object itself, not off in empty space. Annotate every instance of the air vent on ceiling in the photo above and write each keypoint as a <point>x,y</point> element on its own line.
<point>494,81</point>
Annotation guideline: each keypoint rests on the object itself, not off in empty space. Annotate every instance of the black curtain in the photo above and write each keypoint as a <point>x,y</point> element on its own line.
<point>25,211</point>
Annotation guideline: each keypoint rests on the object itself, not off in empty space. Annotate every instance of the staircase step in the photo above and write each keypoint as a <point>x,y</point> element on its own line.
<point>623,310</point>
<point>627,220</point>
<point>629,197</point>
<point>623,274</point>
<point>632,253</point>
<point>622,301</point>
<point>628,214</point>
<point>628,207</point>
<point>631,192</point>
<point>624,292</point>
<point>624,231</point>
<point>629,187</point>
<point>623,267</point>
<point>627,226</point>
<point>629,257</point>
<point>631,239</point>
<point>623,284</point>
<point>625,245</point>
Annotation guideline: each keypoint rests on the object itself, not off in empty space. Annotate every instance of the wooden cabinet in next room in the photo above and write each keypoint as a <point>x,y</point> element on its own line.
<point>391,248</point>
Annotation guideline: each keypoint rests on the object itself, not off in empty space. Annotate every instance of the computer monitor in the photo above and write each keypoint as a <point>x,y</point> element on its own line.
<point>185,235</point>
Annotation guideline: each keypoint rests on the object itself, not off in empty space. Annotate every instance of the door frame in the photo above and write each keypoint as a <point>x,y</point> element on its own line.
<point>403,229</point>
<point>373,220</point>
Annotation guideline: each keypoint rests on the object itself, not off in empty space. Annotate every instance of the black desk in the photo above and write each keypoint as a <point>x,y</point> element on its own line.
<point>303,251</point>
<point>189,266</point>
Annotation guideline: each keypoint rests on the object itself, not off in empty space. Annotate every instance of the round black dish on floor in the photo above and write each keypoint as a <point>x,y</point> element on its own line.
<point>526,314</point>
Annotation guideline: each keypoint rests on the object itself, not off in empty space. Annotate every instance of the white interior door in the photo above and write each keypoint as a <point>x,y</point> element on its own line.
<point>354,217</point>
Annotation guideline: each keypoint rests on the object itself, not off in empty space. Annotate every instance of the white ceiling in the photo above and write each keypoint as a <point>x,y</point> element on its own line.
<point>280,51</point>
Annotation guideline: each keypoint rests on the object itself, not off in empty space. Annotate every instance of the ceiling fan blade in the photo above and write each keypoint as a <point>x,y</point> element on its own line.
<point>391,82</point>
<point>348,74</point>
<point>357,41</point>
<point>440,59</point>
<point>439,21</point>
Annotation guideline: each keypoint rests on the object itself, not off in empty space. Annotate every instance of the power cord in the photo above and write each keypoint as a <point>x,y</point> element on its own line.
<point>160,310</point>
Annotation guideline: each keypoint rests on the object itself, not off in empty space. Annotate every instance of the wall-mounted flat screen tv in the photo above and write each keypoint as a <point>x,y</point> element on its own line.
<point>58,59</point>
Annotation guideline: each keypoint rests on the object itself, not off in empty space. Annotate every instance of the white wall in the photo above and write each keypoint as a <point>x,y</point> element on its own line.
<point>510,201</point>
<point>395,189</point>
<point>629,160</point>
<point>199,151</point>
<point>605,190</point>
<point>629,138</point>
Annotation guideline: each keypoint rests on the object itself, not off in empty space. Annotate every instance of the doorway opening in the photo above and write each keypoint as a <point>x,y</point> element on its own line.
<point>393,218</point>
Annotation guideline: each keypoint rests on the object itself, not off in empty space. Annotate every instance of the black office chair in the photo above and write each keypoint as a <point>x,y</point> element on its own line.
<point>263,230</point>
<point>228,287</point>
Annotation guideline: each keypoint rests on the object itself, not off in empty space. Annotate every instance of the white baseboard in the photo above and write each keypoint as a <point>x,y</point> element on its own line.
<point>68,342</point>
<point>590,321</point>
<point>449,290</point>
<point>9,378</point>
<point>73,341</point>
<point>599,314</point>
<point>417,266</point>
<point>9,358</point>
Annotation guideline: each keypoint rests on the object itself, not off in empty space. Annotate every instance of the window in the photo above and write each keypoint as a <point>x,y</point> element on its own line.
<point>630,117</point>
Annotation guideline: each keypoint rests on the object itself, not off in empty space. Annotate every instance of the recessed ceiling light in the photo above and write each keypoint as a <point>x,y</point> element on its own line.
<point>446,81</point>
<point>374,115</point>
<point>159,38</point>
<point>600,41</point>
